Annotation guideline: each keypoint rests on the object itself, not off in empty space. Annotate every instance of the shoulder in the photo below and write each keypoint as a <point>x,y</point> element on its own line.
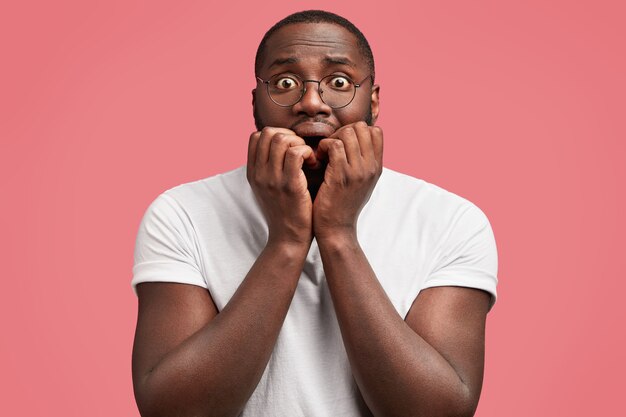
<point>429,202</point>
<point>218,192</point>
<point>222,203</point>
<point>202,202</point>
<point>231,183</point>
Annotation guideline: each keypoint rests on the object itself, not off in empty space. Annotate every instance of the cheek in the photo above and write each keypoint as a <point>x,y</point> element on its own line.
<point>266,110</point>
<point>274,115</point>
<point>358,110</point>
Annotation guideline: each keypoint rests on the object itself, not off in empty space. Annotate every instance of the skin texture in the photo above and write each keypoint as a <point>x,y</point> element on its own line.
<point>188,360</point>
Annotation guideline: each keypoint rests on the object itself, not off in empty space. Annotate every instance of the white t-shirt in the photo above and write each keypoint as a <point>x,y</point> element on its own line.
<point>415,235</point>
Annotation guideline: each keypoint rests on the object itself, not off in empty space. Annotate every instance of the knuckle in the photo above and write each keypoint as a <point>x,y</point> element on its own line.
<point>337,144</point>
<point>360,176</point>
<point>292,152</point>
<point>272,184</point>
<point>267,131</point>
<point>279,138</point>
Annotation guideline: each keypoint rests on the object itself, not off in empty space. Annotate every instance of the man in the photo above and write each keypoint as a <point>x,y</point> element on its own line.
<point>321,283</point>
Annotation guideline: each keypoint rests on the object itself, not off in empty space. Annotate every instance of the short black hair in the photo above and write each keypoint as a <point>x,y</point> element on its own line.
<point>317,16</point>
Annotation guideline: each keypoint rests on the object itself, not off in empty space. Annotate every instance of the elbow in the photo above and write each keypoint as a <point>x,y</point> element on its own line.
<point>451,410</point>
<point>464,404</point>
<point>443,407</point>
<point>147,402</point>
<point>468,412</point>
<point>163,400</point>
<point>465,412</point>
<point>155,401</point>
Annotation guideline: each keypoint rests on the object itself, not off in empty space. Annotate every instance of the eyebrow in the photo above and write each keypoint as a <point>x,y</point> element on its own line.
<point>327,60</point>
<point>339,61</point>
<point>282,61</point>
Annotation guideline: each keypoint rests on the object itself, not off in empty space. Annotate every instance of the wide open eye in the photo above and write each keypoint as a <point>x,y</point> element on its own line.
<point>339,82</point>
<point>285,83</point>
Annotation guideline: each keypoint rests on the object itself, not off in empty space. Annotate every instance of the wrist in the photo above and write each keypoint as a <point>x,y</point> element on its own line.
<point>290,235</point>
<point>337,238</point>
<point>289,248</point>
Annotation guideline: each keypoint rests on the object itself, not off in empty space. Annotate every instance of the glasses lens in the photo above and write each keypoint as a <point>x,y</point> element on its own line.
<point>285,89</point>
<point>337,90</point>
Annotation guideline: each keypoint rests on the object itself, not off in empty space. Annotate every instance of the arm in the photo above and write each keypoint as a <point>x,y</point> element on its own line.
<point>188,360</point>
<point>429,365</point>
<point>432,363</point>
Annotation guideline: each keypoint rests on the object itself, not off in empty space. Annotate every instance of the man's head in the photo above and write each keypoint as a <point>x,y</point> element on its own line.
<point>307,46</point>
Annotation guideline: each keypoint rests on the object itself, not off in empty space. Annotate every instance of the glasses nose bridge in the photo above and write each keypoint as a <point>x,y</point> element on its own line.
<point>319,91</point>
<point>319,87</point>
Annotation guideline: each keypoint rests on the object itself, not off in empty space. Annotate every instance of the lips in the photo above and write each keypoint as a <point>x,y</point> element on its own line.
<point>313,130</point>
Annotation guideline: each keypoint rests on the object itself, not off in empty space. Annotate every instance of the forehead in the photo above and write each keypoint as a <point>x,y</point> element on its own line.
<point>312,43</point>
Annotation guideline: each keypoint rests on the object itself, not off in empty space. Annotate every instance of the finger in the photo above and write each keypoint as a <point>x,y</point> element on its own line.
<point>335,151</point>
<point>310,160</point>
<point>279,145</point>
<point>377,143</point>
<point>263,148</point>
<point>252,150</point>
<point>348,136</point>
<point>364,137</point>
<point>294,159</point>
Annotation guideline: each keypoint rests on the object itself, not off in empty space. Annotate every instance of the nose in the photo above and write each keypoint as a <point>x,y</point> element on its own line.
<point>311,102</point>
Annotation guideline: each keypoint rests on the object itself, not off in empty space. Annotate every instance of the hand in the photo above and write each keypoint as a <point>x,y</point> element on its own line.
<point>354,155</point>
<point>275,160</point>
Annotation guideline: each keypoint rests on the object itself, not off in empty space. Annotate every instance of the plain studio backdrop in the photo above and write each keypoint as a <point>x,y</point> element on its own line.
<point>517,106</point>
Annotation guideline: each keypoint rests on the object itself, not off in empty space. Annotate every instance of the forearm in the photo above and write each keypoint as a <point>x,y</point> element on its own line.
<point>214,372</point>
<point>397,371</point>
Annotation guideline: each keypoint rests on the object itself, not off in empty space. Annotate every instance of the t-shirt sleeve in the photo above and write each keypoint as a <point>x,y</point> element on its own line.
<point>165,249</point>
<point>468,256</point>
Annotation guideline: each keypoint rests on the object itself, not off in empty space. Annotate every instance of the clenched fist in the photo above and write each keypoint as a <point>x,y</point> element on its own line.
<point>274,170</point>
<point>354,153</point>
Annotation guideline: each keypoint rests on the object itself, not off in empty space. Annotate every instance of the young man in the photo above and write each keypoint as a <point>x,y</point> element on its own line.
<point>321,283</point>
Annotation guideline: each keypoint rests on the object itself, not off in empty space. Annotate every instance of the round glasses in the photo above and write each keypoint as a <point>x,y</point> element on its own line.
<point>335,90</point>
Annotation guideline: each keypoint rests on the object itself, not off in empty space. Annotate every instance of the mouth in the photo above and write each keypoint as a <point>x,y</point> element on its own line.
<point>321,161</point>
<point>313,141</point>
<point>313,131</point>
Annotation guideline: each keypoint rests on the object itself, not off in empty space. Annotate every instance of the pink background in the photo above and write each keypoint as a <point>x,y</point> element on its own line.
<point>517,106</point>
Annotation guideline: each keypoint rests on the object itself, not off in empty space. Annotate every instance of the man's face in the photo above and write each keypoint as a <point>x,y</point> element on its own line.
<point>313,51</point>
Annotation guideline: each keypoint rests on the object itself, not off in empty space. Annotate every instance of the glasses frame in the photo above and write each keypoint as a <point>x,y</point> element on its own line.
<point>318,82</point>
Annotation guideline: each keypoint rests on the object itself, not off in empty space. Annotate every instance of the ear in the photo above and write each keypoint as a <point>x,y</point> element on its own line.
<point>253,98</point>
<point>375,102</point>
